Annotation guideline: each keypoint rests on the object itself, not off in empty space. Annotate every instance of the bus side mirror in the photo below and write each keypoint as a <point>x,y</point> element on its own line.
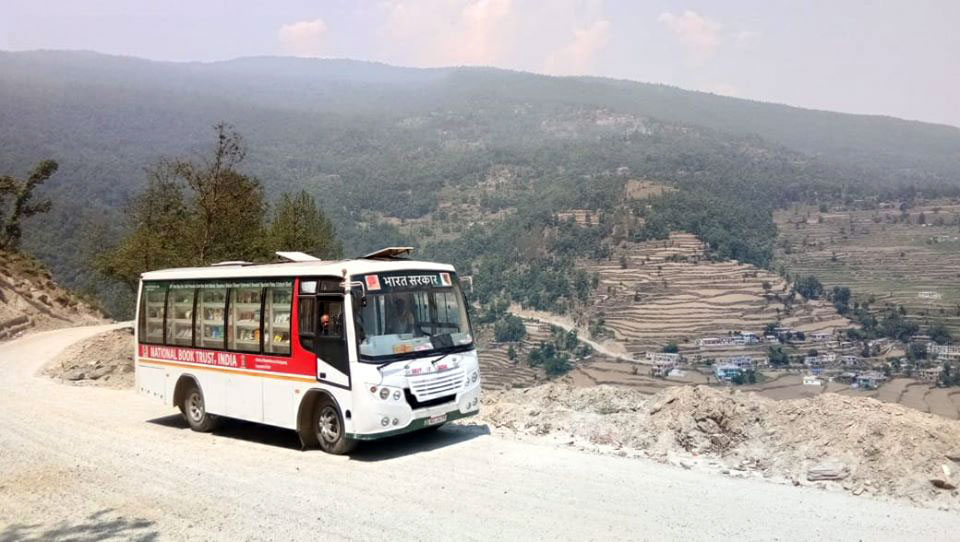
<point>363,291</point>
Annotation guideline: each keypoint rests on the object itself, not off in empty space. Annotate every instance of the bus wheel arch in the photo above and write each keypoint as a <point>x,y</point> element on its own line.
<point>188,397</point>
<point>317,403</point>
<point>184,383</point>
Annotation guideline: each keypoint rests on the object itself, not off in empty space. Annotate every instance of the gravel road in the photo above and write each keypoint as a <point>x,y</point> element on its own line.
<point>85,463</point>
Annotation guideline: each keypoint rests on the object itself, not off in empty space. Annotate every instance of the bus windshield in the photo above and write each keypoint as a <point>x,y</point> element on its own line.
<point>410,314</point>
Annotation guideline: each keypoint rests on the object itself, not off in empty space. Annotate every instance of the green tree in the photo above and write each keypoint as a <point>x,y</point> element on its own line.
<point>777,356</point>
<point>192,213</point>
<point>298,224</point>
<point>809,287</point>
<point>509,328</point>
<point>940,333</point>
<point>841,299</point>
<point>159,220</point>
<point>21,206</point>
<point>771,328</point>
<point>512,353</point>
<point>557,365</point>
<point>227,207</point>
<point>670,348</point>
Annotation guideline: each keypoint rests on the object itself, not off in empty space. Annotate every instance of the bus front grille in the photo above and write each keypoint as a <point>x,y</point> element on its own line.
<point>432,386</point>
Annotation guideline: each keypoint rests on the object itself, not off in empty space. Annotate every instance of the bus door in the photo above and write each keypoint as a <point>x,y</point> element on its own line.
<point>326,335</point>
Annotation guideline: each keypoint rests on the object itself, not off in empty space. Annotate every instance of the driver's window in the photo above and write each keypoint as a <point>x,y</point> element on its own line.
<point>330,346</point>
<point>331,319</point>
<point>307,313</point>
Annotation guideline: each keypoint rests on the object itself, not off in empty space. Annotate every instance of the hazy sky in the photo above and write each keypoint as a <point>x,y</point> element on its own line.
<point>892,57</point>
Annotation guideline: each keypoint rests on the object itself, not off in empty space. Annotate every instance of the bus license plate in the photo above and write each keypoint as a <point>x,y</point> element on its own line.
<point>434,420</point>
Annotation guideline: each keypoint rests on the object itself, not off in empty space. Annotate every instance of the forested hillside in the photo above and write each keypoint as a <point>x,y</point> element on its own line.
<point>470,165</point>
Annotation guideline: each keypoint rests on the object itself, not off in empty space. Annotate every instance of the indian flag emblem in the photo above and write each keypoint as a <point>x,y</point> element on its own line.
<point>373,282</point>
<point>445,279</point>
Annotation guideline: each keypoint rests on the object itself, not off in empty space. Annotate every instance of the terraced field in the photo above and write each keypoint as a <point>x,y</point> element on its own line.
<point>499,372</point>
<point>668,292</point>
<point>878,253</point>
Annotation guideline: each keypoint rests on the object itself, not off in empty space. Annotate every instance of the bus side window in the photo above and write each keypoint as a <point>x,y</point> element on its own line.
<point>180,316</point>
<point>152,304</point>
<point>211,305</point>
<point>243,320</point>
<point>276,322</point>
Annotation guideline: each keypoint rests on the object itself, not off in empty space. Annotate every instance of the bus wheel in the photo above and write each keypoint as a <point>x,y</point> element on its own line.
<point>195,411</point>
<point>328,424</point>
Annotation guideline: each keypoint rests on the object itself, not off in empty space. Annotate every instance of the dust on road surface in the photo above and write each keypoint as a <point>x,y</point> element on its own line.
<point>95,463</point>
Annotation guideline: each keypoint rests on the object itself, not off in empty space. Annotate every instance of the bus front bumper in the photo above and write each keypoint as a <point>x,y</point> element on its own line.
<point>415,425</point>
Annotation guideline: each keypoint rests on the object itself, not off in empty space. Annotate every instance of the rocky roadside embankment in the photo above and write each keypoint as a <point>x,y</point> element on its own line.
<point>105,359</point>
<point>859,445</point>
<point>856,444</point>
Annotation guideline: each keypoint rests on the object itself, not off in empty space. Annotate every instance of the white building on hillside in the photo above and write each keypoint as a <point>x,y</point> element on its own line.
<point>944,351</point>
<point>662,358</point>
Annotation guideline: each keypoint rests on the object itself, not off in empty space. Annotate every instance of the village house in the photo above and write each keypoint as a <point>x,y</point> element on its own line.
<point>930,374</point>
<point>879,346</point>
<point>820,360</point>
<point>821,336</point>
<point>743,362</point>
<point>870,380</point>
<point>943,352</point>
<point>663,362</point>
<point>655,358</point>
<point>711,341</point>
<point>738,339</point>
<point>812,380</point>
<point>725,372</point>
<point>850,361</point>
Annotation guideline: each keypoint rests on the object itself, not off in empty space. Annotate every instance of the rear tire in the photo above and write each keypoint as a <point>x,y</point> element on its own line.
<point>194,411</point>
<point>328,426</point>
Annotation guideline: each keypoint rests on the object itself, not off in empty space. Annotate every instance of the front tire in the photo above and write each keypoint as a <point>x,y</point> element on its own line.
<point>328,425</point>
<point>194,411</point>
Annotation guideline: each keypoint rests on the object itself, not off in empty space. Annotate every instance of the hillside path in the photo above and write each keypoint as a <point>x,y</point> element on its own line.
<point>85,463</point>
<point>568,325</point>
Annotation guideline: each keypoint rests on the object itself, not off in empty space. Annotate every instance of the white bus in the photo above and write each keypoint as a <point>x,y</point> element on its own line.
<point>339,351</point>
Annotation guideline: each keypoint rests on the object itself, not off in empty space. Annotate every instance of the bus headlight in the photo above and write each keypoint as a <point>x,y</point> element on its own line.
<point>474,377</point>
<point>396,395</point>
<point>385,421</point>
<point>384,393</point>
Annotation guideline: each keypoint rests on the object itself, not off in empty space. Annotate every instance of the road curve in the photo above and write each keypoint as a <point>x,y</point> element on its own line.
<point>88,463</point>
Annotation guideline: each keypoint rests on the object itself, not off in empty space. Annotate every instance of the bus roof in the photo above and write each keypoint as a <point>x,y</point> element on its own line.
<point>295,269</point>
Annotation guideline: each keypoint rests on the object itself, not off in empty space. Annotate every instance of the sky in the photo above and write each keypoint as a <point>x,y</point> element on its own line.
<point>889,57</point>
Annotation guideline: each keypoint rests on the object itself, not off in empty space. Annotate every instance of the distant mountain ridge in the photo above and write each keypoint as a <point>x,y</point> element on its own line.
<point>369,139</point>
<point>312,82</point>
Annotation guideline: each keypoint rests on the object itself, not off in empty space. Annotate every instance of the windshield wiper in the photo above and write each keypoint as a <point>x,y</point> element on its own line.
<point>433,362</point>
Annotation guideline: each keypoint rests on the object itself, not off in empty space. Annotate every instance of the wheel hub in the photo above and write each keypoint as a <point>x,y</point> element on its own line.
<point>329,425</point>
<point>195,407</point>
